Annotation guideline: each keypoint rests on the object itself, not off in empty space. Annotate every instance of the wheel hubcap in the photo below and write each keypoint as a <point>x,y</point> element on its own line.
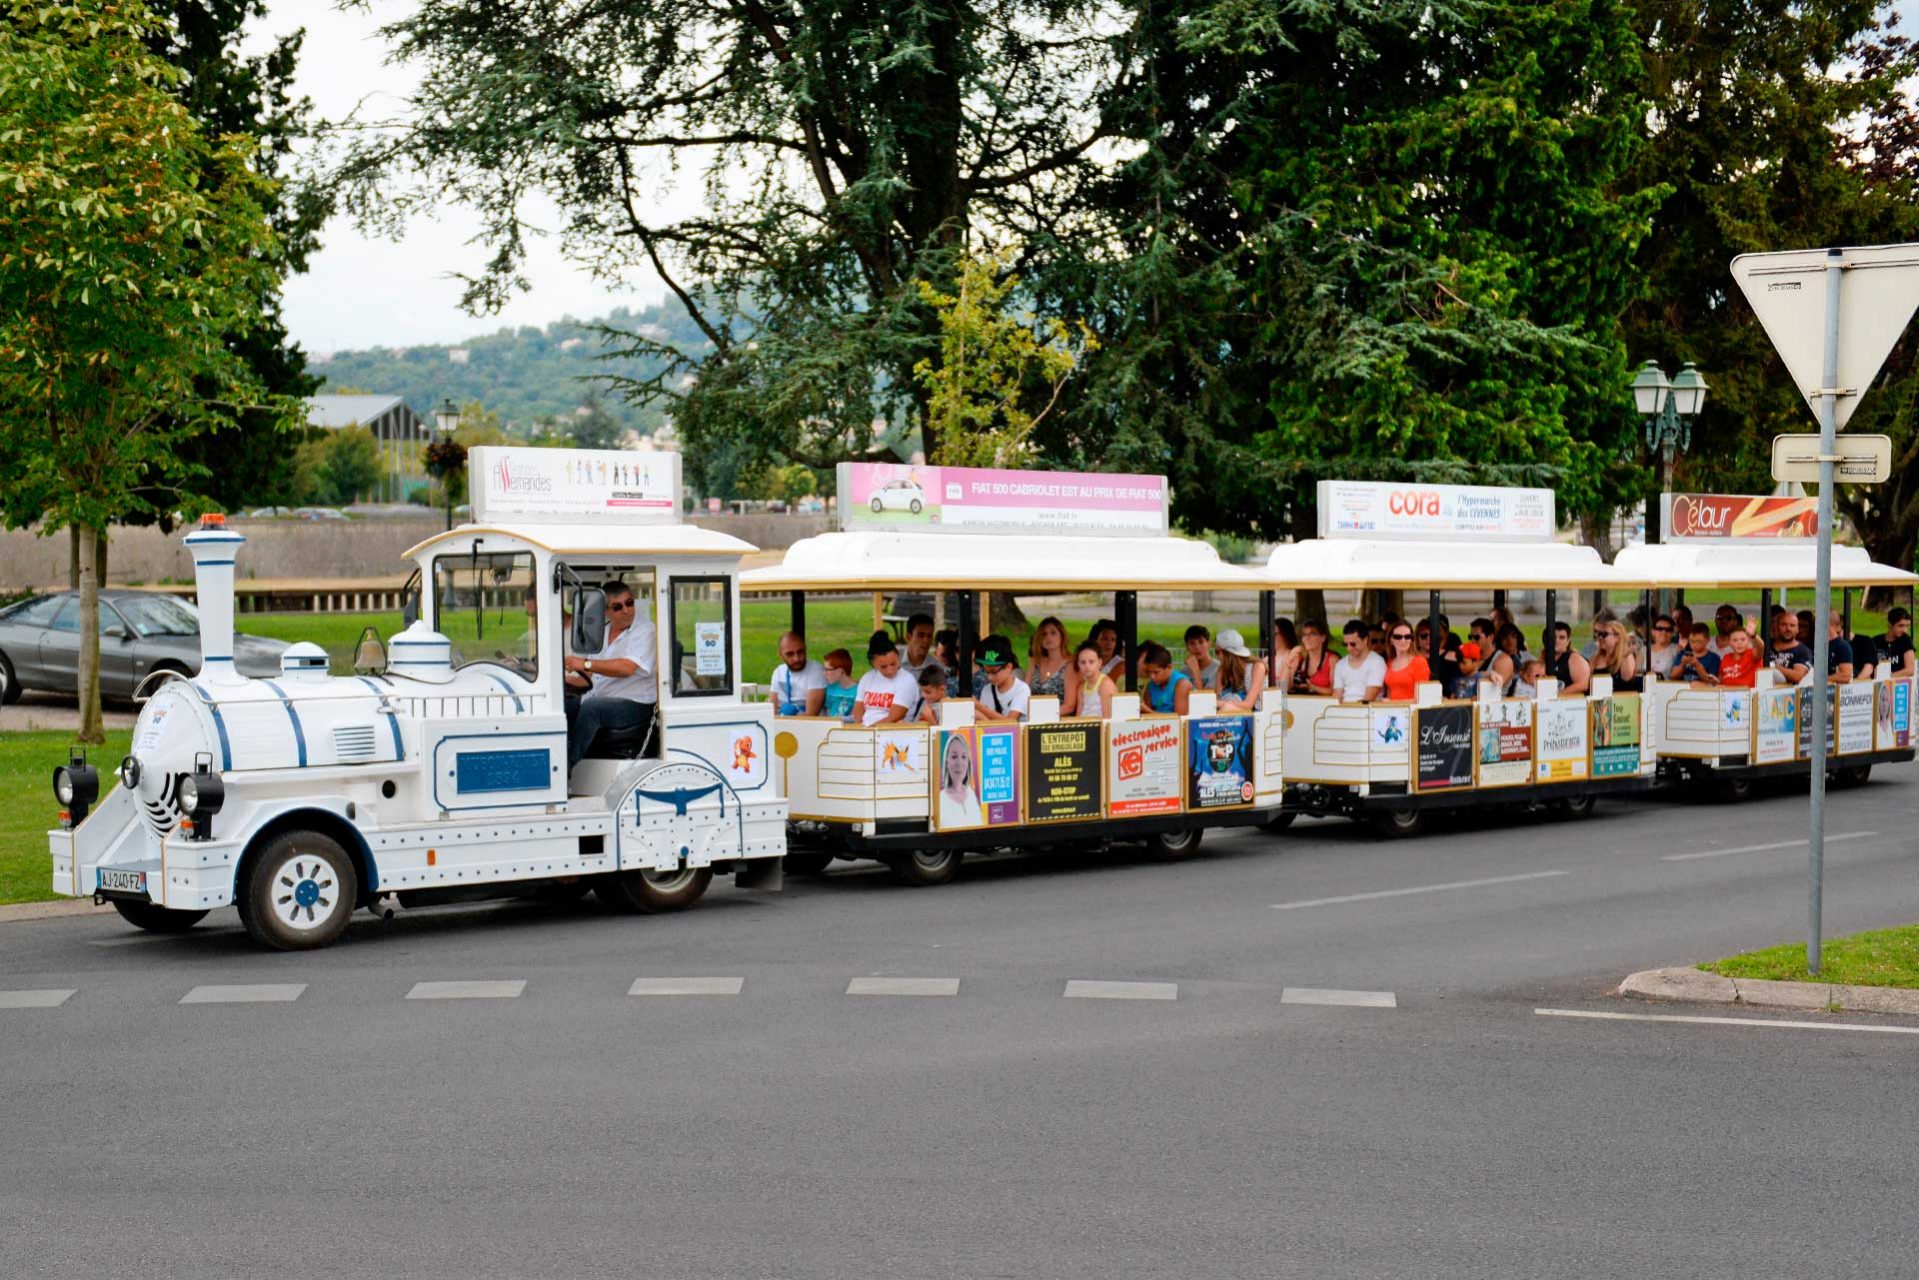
<point>304,892</point>
<point>934,861</point>
<point>669,881</point>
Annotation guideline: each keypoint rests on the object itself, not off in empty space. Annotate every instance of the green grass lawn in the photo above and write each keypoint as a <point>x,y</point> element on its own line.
<point>1880,958</point>
<point>28,809</point>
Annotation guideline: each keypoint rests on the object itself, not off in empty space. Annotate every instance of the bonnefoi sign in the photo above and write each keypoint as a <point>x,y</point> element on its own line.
<point>573,486</point>
<point>1366,509</point>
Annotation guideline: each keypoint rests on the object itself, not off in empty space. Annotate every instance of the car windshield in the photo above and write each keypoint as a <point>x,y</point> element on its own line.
<point>158,616</point>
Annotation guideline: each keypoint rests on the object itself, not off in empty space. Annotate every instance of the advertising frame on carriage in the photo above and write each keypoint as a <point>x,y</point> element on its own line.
<point>1753,552</point>
<point>914,793</point>
<point>1391,761</point>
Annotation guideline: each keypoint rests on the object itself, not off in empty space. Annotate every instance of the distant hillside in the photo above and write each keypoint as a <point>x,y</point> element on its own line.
<point>525,374</point>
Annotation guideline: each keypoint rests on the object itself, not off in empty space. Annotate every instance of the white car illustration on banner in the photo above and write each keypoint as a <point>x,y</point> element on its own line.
<point>899,495</point>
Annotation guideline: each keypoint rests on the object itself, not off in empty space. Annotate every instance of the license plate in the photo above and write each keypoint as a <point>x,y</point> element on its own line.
<point>124,881</point>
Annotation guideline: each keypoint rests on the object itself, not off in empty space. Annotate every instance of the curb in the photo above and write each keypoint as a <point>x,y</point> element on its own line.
<point>1698,985</point>
<point>17,912</point>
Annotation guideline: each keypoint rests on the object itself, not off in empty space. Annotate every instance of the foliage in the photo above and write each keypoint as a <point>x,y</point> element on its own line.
<point>350,465</point>
<point>998,374</point>
<point>124,271</point>
<point>787,483</point>
<point>844,151</point>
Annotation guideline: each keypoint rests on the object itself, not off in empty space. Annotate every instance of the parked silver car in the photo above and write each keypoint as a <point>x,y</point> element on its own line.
<point>140,632</point>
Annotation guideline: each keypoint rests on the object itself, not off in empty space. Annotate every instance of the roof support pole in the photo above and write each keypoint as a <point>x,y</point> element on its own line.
<point>1126,617</point>
<point>1438,645</point>
<point>1765,625</point>
<point>1499,597</point>
<point>1268,612</point>
<point>963,600</point>
<point>1845,613</point>
<point>798,620</point>
<point>1546,635</point>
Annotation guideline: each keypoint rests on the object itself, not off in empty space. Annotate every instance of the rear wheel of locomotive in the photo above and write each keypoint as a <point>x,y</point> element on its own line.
<point>1732,790</point>
<point>1577,806</point>
<point>1399,823</point>
<point>1172,846</point>
<point>145,915</point>
<point>654,892</point>
<point>926,867</point>
<point>299,892</point>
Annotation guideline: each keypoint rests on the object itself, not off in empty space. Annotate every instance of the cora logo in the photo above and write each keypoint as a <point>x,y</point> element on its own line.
<point>1413,502</point>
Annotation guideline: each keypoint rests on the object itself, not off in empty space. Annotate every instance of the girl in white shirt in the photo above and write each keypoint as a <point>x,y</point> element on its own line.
<point>886,693</point>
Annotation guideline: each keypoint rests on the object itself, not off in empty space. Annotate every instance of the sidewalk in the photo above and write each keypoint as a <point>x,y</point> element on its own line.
<point>40,710</point>
<point>1699,986</point>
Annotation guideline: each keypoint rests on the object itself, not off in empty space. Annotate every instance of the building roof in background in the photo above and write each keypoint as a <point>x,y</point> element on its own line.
<point>386,416</point>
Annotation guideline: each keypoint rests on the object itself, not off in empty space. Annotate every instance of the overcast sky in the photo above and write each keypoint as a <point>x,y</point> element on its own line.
<point>363,292</point>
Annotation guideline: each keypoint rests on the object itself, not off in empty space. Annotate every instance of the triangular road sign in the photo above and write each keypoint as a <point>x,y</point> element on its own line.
<point>1878,289</point>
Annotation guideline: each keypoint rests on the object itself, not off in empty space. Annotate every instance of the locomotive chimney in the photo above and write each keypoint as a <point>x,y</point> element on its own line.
<point>214,547</point>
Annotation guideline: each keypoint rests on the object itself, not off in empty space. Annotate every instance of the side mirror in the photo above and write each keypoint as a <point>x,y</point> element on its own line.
<point>589,620</point>
<point>115,633</point>
<point>369,655</point>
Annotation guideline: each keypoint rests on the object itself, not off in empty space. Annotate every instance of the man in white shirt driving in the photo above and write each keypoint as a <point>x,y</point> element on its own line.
<point>624,688</point>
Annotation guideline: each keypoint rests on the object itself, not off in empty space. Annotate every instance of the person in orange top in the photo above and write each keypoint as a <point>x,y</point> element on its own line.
<point>1405,668</point>
<point>1739,664</point>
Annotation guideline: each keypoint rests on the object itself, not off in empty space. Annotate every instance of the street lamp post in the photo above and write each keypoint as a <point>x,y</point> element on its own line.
<point>447,419</point>
<point>1668,406</point>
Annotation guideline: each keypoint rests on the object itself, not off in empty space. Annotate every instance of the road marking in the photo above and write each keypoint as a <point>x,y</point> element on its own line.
<point>1423,888</point>
<point>903,987</point>
<point>1764,848</point>
<point>1726,1022</point>
<point>467,990</point>
<point>33,999</point>
<point>255,993</point>
<point>1330,995</point>
<point>1080,989</point>
<point>686,986</point>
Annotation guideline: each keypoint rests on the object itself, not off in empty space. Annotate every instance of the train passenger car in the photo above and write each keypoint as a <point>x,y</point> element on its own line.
<point>440,771</point>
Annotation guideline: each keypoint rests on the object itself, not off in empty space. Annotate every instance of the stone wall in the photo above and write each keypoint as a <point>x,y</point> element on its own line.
<point>304,549</point>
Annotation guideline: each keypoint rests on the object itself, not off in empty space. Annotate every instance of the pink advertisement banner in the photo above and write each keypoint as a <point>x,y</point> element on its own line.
<point>905,496</point>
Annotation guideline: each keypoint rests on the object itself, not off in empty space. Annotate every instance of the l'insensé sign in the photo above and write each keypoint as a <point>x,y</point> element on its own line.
<point>1364,509</point>
<point>917,498</point>
<point>1719,516</point>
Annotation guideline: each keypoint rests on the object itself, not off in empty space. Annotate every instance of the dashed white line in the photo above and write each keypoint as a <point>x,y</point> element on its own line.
<point>467,990</point>
<point>1422,888</point>
<point>1332,995</point>
<point>254,993</point>
<point>686,986</point>
<point>903,987</point>
<point>1725,1022</point>
<point>1082,989</point>
<point>1763,848</point>
<point>34,999</point>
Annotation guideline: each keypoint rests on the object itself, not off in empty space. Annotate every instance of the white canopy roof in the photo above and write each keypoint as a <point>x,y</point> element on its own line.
<point>1753,565</point>
<point>1350,563</point>
<point>882,560</point>
<point>607,539</point>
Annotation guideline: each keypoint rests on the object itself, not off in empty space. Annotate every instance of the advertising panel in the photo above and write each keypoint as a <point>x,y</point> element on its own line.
<point>899,757</point>
<point>956,802</point>
<point>1895,715</point>
<point>1562,740</point>
<point>1615,735</point>
<point>1366,509</point>
<point>1219,763</point>
<point>919,498</point>
<point>1144,765</point>
<point>999,773</point>
<point>1855,718</point>
<point>1064,780</point>
<point>1505,743</point>
<point>554,486</point>
<point>1445,757</point>
<point>1777,713</point>
<point>1392,729</point>
<point>1720,516</point>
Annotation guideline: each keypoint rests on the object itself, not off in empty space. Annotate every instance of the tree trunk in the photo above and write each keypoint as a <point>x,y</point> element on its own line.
<point>1375,603</point>
<point>73,557</point>
<point>1004,616</point>
<point>92,725</point>
<point>100,560</point>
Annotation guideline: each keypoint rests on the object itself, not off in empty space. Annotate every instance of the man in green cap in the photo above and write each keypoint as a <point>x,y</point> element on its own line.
<point>1005,695</point>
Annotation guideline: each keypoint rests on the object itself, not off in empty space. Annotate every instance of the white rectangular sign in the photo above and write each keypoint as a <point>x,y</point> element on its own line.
<point>1862,459</point>
<point>1367,509</point>
<point>573,486</point>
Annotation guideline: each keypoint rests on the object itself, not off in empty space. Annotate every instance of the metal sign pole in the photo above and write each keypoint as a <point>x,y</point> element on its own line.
<point>1821,610</point>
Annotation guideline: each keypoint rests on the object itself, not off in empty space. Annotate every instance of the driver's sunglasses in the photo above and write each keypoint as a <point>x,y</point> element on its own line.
<point>619,608</point>
<point>1662,626</point>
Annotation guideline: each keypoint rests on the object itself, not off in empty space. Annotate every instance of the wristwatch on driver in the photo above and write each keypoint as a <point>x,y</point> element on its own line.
<point>586,664</point>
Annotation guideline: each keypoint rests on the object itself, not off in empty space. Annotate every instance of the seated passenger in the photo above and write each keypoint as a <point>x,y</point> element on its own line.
<point>799,685</point>
<point>1282,656</point>
<point>1361,674</point>
<point>1896,650</point>
<point>946,648</point>
<point>841,693</point>
<point>1202,668</point>
<point>1105,637</point>
<point>624,676</point>
<point>1047,663</point>
<point>1839,667</point>
<point>1379,640</point>
<point>932,682</point>
<point>1313,661</point>
<point>1568,665</point>
<point>1446,668</point>
<point>1790,659</point>
<point>885,693</point>
<point>1681,620</point>
<point>1724,619</point>
<point>1167,691</point>
<point>919,645</point>
<point>1614,655</point>
<point>1697,663</point>
<point>1090,692</point>
<point>1406,668</point>
<point>1667,645</point>
<point>1740,662</point>
<point>1466,683</point>
<point>1526,680</point>
<point>1241,677</point>
<point>1865,656</point>
<point>1508,654</point>
<point>1004,696</point>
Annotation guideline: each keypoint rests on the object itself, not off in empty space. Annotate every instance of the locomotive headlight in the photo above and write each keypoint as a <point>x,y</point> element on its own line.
<point>76,785</point>
<point>130,773</point>
<point>189,793</point>
<point>201,793</point>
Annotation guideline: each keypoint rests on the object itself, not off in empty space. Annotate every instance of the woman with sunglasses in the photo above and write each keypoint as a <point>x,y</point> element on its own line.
<point>1668,642</point>
<point>1314,661</point>
<point>1615,655</point>
<point>1406,668</point>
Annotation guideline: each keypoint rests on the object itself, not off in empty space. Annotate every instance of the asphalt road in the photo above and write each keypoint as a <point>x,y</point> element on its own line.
<point>793,1129</point>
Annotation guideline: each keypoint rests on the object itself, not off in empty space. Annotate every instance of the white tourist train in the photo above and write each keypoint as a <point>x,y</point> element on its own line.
<point>439,771</point>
